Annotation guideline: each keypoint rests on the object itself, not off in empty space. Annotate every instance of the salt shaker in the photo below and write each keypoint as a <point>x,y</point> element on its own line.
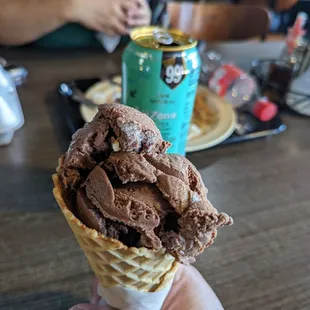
<point>11,114</point>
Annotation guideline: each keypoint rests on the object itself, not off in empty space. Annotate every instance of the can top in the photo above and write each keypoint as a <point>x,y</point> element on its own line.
<point>168,40</point>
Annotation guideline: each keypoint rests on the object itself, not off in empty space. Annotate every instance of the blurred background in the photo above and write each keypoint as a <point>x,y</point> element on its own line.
<point>282,14</point>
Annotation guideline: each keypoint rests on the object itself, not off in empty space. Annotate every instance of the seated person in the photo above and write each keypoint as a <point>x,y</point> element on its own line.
<point>73,23</point>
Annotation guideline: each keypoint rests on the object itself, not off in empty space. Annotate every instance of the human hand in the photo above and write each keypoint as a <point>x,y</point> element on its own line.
<point>110,17</point>
<point>140,15</point>
<point>189,291</point>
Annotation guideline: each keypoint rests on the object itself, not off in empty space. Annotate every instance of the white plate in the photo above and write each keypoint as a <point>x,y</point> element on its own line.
<point>221,130</point>
<point>88,112</point>
<point>100,93</point>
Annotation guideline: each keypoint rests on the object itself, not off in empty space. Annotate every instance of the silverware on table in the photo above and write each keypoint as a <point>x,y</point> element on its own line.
<point>76,94</point>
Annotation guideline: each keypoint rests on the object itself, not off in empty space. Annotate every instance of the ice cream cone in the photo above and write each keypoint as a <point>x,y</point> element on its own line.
<point>116,264</point>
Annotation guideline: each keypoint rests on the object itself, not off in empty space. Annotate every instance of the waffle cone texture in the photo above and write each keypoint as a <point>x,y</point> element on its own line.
<point>115,264</point>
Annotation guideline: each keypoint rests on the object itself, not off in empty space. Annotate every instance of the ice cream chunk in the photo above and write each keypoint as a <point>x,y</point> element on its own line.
<point>122,184</point>
<point>114,128</point>
<point>131,167</point>
<point>133,131</point>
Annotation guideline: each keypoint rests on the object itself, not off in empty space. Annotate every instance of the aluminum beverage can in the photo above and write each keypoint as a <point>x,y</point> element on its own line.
<point>160,74</point>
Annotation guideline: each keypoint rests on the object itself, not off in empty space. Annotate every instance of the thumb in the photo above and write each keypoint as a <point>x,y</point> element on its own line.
<point>90,307</point>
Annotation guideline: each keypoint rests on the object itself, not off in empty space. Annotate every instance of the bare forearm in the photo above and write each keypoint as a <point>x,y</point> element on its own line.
<point>23,21</point>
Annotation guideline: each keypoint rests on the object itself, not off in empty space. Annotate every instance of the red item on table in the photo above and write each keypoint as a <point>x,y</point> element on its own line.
<point>264,109</point>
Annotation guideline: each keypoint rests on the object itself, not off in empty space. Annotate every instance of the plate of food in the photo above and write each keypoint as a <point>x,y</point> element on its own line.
<point>106,91</point>
<point>212,122</point>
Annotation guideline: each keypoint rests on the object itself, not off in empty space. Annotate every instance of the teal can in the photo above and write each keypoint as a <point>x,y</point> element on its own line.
<point>160,73</point>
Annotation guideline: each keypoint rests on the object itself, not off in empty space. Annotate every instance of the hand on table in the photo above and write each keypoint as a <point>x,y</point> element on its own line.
<point>189,291</point>
<point>113,17</point>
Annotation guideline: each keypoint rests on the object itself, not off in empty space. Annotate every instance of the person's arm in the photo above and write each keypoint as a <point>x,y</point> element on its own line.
<point>23,21</point>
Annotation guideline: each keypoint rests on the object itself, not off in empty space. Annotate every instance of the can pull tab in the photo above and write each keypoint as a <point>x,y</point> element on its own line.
<point>162,37</point>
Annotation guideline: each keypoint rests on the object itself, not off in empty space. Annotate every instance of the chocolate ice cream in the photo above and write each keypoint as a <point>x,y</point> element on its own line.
<point>119,181</point>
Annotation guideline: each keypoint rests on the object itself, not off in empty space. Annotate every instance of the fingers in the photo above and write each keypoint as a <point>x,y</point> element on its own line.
<point>114,28</point>
<point>120,22</point>
<point>90,307</point>
<point>94,297</point>
<point>133,2</point>
<point>94,25</point>
<point>138,14</point>
<point>109,31</point>
<point>190,291</point>
<point>129,6</point>
<point>139,22</point>
<point>120,29</point>
<point>120,14</point>
<point>97,26</point>
<point>141,7</point>
<point>142,3</point>
<point>140,17</point>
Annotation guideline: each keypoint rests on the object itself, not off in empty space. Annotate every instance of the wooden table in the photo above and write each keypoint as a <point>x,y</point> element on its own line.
<point>262,262</point>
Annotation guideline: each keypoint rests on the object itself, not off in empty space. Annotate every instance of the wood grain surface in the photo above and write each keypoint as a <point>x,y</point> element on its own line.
<point>260,263</point>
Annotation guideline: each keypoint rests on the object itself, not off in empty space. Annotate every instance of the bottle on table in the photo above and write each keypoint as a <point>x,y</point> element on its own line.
<point>238,88</point>
<point>293,61</point>
<point>295,44</point>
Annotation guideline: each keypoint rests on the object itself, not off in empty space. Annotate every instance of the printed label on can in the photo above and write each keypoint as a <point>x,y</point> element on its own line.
<point>162,85</point>
<point>173,70</point>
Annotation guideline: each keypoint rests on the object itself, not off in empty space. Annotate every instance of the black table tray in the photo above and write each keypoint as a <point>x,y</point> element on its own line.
<point>256,129</point>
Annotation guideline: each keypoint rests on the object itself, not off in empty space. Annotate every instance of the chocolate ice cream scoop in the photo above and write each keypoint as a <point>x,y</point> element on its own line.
<point>121,183</point>
<point>114,128</point>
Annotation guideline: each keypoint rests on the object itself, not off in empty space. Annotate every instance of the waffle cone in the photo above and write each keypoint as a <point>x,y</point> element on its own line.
<point>114,263</point>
